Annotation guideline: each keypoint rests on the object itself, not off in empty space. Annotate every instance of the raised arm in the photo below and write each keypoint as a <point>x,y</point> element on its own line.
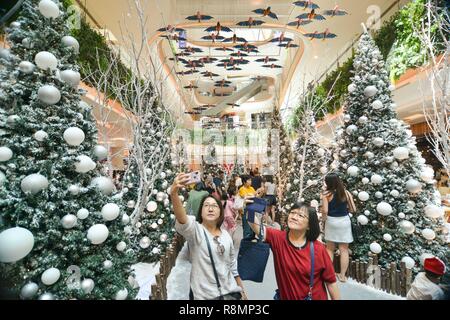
<point>255,227</point>
<point>180,181</point>
<point>324,206</point>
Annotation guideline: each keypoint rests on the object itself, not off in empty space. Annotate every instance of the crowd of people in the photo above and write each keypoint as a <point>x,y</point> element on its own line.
<point>303,253</point>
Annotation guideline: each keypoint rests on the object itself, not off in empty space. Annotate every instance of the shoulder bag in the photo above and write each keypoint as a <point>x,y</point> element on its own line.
<point>356,228</point>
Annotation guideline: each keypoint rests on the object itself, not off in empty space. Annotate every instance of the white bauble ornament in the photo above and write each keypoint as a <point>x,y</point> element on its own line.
<point>384,208</point>
<point>144,243</point>
<point>320,152</point>
<point>363,119</point>
<point>29,290</point>
<point>26,67</point>
<point>389,159</point>
<point>154,225</point>
<point>2,178</point>
<point>107,264</point>
<point>162,175</point>
<point>121,246</point>
<point>82,213</point>
<point>15,244</point>
<point>49,94</point>
<point>374,222</point>
<point>362,220</point>
<point>110,211</point>
<point>15,25</point>
<point>355,149</point>
<point>152,206</point>
<point>391,87</point>
<point>427,174</point>
<point>160,221</point>
<point>163,237</point>
<point>127,230</point>
<point>48,9</point>
<point>74,136</point>
<point>401,215</point>
<point>84,164</point>
<point>394,193</point>
<point>40,135</point>
<point>72,78</point>
<point>387,237</point>
<point>323,170</point>
<point>365,180</point>
<point>424,256</point>
<point>69,41</point>
<point>98,233</point>
<point>104,184</point>
<point>401,153</point>
<point>376,179</point>
<point>369,155</point>
<point>50,276</point>
<point>343,153</point>
<point>125,219</point>
<point>46,60</point>
<point>413,186</point>
<point>428,234</point>
<point>411,204</point>
<point>353,171</point>
<point>314,203</point>
<point>351,128</point>
<point>12,120</point>
<point>407,227</point>
<point>5,154</point>
<point>370,91</point>
<point>156,251</point>
<point>375,247</point>
<point>361,139</point>
<point>378,195</point>
<point>34,183</point>
<point>378,142</point>
<point>5,54</point>
<point>131,204</point>
<point>87,285</point>
<point>121,295</point>
<point>160,196</point>
<point>69,221</point>
<point>377,105</point>
<point>366,212</point>
<point>433,211</point>
<point>351,88</point>
<point>27,43</point>
<point>74,189</point>
<point>363,196</point>
<point>409,262</point>
<point>100,152</point>
<point>47,296</point>
<point>394,165</point>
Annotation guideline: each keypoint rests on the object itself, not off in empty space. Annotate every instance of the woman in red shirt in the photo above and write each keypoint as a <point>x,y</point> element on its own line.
<point>292,258</point>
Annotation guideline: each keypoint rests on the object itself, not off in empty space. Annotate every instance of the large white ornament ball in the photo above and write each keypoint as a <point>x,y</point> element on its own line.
<point>154,225</point>
<point>40,135</point>
<point>411,204</point>
<point>82,213</point>
<point>46,60</point>
<point>69,221</point>
<point>74,136</point>
<point>384,208</point>
<point>98,233</point>
<point>428,234</point>
<point>351,88</point>
<point>121,295</point>
<point>353,171</point>
<point>378,195</point>
<point>363,119</point>
<point>320,152</point>
<point>69,41</point>
<point>378,142</point>
<point>351,128</point>
<point>49,94</point>
<point>365,180</point>
<point>401,153</point>
<point>100,152</point>
<point>74,189</point>
<point>5,154</point>
<point>84,164</point>
<point>367,212</point>
<point>29,290</point>
<point>125,219</point>
<point>160,196</point>
<point>363,196</point>
<point>375,247</point>
<point>433,211</point>
<point>427,174</point>
<point>87,285</point>
<point>377,105</point>
<point>394,193</point>
<point>50,276</point>
<point>26,67</point>
<point>15,244</point>
<point>370,91</point>
<point>104,184</point>
<point>152,206</point>
<point>144,243</point>
<point>121,246</point>
<point>107,264</point>
<point>34,183</point>
<point>48,9</point>
<point>110,211</point>
<point>46,296</point>
<point>131,204</point>
<point>407,227</point>
<point>369,155</point>
<point>362,220</point>
<point>409,262</point>
<point>413,186</point>
<point>376,179</point>
<point>387,237</point>
<point>72,78</point>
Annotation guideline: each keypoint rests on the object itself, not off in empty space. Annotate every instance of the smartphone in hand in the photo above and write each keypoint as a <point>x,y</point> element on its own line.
<point>194,177</point>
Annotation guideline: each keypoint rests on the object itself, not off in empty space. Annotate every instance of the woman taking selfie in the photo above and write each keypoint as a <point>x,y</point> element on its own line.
<point>338,228</point>
<point>214,273</point>
<point>295,252</point>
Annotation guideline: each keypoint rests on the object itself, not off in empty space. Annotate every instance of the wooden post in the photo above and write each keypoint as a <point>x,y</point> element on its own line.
<point>353,271</point>
<point>154,292</point>
<point>402,279</point>
<point>392,274</point>
<point>364,271</point>
<point>408,278</point>
<point>357,271</point>
<point>383,283</point>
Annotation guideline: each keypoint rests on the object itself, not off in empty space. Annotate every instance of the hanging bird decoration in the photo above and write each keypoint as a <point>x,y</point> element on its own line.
<point>223,81</point>
<point>311,16</point>
<point>238,54</point>
<point>191,63</point>
<point>306,4</point>
<point>232,60</point>
<point>207,60</point>
<point>335,12</point>
<point>185,73</point>
<point>213,37</point>
<point>272,66</point>
<point>190,87</point>
<point>199,17</point>
<point>281,38</point>
<point>192,112</point>
<point>321,35</point>
<point>224,49</point>
<point>234,68</point>
<point>245,46</point>
<point>266,60</point>
<point>234,39</point>
<point>266,12</point>
<point>218,28</point>
<point>171,29</point>
<point>233,105</point>
<point>299,22</point>
<point>288,45</point>
<point>250,23</point>
<point>209,74</point>
<point>192,50</point>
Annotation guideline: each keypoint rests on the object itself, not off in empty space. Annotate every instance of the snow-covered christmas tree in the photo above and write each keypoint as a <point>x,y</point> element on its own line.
<point>397,205</point>
<point>60,230</point>
<point>210,164</point>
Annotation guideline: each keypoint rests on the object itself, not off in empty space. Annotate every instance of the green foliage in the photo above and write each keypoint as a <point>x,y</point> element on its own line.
<point>385,37</point>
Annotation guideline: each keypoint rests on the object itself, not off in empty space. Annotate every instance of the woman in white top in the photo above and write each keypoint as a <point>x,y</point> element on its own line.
<point>270,189</point>
<point>201,233</point>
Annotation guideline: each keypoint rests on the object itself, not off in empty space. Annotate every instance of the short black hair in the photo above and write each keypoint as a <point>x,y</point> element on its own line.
<point>219,203</point>
<point>432,275</point>
<point>313,231</point>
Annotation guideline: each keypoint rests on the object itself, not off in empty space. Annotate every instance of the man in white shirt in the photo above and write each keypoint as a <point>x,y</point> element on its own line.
<point>426,284</point>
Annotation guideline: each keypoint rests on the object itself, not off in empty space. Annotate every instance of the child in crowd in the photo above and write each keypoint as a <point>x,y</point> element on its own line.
<point>426,284</point>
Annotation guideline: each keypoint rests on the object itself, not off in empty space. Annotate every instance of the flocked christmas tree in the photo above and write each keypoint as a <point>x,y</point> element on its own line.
<point>60,231</point>
<point>210,165</point>
<point>393,188</point>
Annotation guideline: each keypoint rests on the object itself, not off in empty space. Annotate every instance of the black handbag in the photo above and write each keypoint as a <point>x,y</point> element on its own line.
<point>356,228</point>
<point>252,258</point>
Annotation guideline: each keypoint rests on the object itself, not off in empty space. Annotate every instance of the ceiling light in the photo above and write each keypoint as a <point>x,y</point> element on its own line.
<point>316,57</point>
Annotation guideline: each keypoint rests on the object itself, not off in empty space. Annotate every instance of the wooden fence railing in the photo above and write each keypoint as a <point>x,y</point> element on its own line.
<point>390,280</point>
<point>167,262</point>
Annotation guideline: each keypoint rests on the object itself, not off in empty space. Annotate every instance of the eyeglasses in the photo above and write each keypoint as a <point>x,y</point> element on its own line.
<point>301,215</point>
<point>214,206</point>
<point>220,247</point>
